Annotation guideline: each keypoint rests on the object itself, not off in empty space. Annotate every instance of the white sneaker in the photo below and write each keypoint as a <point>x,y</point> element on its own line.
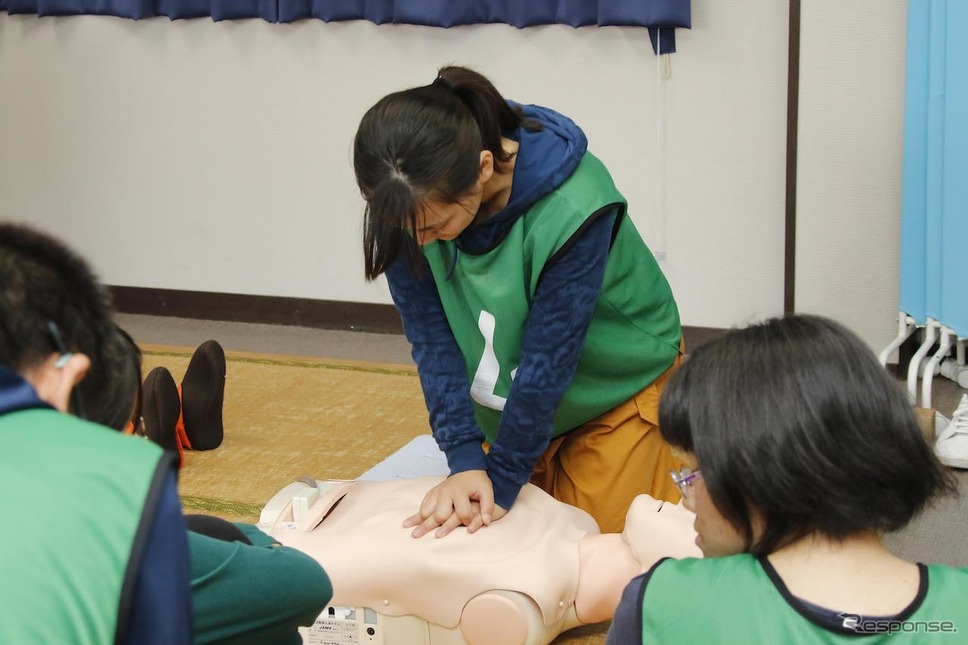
<point>952,444</point>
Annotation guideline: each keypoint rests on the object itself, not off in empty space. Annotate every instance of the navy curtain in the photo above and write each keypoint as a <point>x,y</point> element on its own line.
<point>662,17</point>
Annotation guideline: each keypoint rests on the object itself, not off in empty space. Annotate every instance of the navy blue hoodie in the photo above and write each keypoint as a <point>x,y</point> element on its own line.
<point>545,159</point>
<point>553,337</point>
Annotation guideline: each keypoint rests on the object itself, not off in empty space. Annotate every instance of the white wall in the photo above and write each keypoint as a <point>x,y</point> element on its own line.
<point>849,162</point>
<point>215,156</point>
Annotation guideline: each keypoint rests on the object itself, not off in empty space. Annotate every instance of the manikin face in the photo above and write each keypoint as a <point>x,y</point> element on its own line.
<point>717,537</point>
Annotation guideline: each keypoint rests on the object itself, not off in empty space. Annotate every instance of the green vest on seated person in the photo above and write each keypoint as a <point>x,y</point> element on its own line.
<point>733,600</point>
<point>73,498</point>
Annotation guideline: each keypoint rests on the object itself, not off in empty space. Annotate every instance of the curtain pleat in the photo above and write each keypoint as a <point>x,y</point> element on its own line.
<point>668,14</point>
<point>138,9</point>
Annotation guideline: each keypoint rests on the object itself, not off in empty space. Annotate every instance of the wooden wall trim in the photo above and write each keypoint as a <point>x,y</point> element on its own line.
<point>299,312</point>
<point>270,310</point>
<point>793,115</point>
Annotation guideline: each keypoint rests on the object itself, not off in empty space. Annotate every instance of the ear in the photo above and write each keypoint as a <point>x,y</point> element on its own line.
<point>57,376</point>
<point>487,166</point>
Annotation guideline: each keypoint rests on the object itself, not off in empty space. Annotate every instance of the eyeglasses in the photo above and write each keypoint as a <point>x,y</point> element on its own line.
<point>684,479</point>
<point>77,405</point>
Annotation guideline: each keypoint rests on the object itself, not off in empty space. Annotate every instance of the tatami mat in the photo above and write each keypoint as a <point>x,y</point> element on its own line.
<point>287,416</point>
<point>290,416</point>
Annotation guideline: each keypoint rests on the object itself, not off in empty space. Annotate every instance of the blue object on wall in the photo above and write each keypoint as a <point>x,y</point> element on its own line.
<point>934,205</point>
<point>662,17</point>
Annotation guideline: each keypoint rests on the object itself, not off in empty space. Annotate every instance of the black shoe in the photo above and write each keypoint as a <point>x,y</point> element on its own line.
<point>161,409</point>
<point>203,392</point>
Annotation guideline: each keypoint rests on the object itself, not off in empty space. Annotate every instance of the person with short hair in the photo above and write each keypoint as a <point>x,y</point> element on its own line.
<point>541,324</point>
<point>802,451</point>
<point>101,551</point>
<point>95,548</point>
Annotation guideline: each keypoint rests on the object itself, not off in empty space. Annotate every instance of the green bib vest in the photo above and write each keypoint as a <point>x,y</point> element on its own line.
<point>74,496</point>
<point>633,337</point>
<point>733,600</point>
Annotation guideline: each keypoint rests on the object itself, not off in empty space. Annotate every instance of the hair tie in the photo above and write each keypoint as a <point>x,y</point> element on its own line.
<point>443,82</point>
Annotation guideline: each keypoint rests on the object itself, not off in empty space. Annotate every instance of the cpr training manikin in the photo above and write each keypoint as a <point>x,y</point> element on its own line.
<point>542,569</point>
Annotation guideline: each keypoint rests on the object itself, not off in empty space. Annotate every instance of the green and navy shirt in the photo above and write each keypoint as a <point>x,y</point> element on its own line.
<point>741,599</point>
<point>634,332</point>
<point>518,312</point>
<point>79,501</point>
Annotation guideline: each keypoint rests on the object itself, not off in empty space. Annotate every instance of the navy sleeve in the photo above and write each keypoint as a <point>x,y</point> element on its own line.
<point>554,335</point>
<point>626,626</point>
<point>443,376</point>
<point>161,609</point>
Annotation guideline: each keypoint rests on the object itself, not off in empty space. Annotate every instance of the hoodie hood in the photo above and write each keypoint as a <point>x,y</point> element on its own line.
<point>545,159</point>
<point>16,393</point>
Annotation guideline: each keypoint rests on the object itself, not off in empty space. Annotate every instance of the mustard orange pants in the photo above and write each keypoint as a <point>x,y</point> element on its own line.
<point>603,464</point>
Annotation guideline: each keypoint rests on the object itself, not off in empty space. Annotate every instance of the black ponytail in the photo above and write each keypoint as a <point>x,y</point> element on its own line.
<point>425,143</point>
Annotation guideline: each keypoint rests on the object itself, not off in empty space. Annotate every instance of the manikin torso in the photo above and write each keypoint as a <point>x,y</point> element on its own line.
<point>540,570</point>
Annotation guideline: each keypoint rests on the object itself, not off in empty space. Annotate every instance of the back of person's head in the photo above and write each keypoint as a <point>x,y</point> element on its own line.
<point>425,143</point>
<point>50,298</point>
<point>795,420</point>
<point>134,410</point>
